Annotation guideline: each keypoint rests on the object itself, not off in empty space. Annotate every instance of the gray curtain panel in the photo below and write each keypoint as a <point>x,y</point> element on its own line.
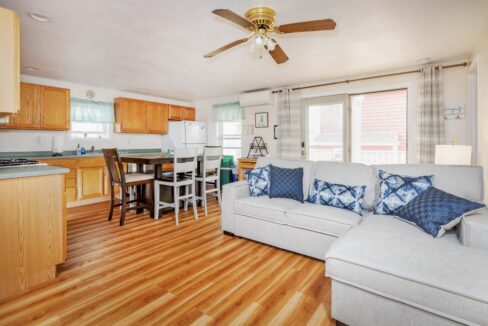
<point>430,115</point>
<point>289,125</point>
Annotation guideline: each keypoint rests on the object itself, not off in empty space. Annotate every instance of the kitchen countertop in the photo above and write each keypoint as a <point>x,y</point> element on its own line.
<point>30,171</point>
<point>46,155</point>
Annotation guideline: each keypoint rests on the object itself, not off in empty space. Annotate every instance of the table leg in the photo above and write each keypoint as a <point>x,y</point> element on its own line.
<point>157,174</point>
<point>140,189</point>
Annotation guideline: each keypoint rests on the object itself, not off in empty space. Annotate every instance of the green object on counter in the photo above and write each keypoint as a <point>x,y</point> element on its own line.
<point>226,167</point>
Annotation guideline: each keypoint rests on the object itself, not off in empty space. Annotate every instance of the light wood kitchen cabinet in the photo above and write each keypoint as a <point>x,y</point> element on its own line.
<point>175,112</point>
<point>130,115</point>
<point>32,231</point>
<point>29,115</point>
<point>55,108</point>
<point>42,107</point>
<point>70,178</point>
<point>91,178</point>
<point>9,62</point>
<point>189,114</point>
<point>157,118</point>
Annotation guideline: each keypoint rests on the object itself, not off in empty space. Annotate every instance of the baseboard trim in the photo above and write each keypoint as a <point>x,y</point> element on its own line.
<point>87,201</point>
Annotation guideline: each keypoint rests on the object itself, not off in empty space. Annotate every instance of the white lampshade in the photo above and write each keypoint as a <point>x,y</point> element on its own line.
<point>453,154</point>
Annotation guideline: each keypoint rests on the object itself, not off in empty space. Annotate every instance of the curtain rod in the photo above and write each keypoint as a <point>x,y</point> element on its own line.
<point>347,81</point>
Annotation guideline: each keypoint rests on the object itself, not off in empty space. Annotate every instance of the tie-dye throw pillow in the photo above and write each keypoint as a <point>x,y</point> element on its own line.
<point>258,180</point>
<point>338,195</point>
<point>397,191</point>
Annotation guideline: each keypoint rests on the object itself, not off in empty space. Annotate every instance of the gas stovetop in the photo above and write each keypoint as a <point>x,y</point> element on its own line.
<point>17,162</point>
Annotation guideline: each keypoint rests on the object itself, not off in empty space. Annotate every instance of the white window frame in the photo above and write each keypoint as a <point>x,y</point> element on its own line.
<point>103,136</point>
<point>221,137</point>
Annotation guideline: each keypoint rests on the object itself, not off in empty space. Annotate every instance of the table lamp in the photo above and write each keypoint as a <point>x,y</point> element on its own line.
<point>453,154</point>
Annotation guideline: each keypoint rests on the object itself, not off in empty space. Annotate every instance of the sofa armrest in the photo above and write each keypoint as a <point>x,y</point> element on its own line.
<point>473,230</point>
<point>230,193</point>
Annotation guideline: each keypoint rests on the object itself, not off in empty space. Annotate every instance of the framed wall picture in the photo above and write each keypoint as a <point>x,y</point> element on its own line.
<point>261,120</point>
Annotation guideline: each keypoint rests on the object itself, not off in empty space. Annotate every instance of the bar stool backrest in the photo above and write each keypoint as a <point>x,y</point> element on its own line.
<point>212,158</point>
<point>185,160</point>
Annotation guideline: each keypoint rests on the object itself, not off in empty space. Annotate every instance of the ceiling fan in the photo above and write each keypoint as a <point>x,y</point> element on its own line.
<point>260,21</point>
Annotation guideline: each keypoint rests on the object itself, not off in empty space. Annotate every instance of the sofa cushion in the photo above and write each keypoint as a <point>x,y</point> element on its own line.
<point>308,167</point>
<point>391,258</point>
<point>337,195</point>
<point>348,174</point>
<point>324,219</point>
<point>463,181</point>
<point>265,208</point>
<point>398,190</point>
<point>436,211</point>
<point>286,183</point>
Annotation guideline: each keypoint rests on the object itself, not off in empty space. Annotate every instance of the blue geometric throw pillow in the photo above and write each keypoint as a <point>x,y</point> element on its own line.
<point>258,181</point>
<point>286,183</point>
<point>436,211</point>
<point>397,191</point>
<point>337,195</point>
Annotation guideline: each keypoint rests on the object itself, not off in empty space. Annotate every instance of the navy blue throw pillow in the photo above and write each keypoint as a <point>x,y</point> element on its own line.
<point>286,183</point>
<point>436,211</point>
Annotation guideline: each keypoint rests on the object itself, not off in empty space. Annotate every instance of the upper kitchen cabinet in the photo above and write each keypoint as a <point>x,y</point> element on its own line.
<point>9,62</point>
<point>42,107</point>
<point>189,114</point>
<point>55,108</point>
<point>157,118</point>
<point>175,112</point>
<point>29,115</point>
<point>130,115</point>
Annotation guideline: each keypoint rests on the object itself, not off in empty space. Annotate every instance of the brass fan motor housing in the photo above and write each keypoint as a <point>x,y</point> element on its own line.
<point>262,17</point>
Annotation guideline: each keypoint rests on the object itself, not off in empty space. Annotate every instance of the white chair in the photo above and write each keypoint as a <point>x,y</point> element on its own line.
<point>210,173</point>
<point>184,166</point>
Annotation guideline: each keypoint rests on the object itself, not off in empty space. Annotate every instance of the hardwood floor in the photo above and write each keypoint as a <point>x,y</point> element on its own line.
<point>152,272</point>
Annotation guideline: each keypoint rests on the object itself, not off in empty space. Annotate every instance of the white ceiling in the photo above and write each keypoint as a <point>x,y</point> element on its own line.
<point>155,45</point>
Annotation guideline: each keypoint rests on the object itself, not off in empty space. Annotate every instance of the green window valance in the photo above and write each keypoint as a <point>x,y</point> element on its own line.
<point>228,112</point>
<point>91,111</point>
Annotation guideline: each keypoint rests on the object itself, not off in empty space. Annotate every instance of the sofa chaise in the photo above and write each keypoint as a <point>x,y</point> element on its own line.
<point>384,271</point>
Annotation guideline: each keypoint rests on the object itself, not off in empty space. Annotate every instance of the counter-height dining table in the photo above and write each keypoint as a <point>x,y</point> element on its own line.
<point>156,160</point>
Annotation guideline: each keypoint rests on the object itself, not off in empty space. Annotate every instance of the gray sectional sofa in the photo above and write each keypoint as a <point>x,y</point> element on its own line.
<point>384,271</point>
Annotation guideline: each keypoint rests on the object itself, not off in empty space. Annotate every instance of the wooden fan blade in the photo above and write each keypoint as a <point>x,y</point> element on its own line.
<point>233,17</point>
<point>310,26</point>
<point>278,55</point>
<point>225,47</point>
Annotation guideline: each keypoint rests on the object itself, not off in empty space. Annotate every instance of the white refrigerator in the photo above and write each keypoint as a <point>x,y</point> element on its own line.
<point>187,134</point>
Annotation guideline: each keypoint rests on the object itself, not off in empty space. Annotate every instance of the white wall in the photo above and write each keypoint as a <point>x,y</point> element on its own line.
<point>454,83</point>
<point>37,140</point>
<point>482,52</point>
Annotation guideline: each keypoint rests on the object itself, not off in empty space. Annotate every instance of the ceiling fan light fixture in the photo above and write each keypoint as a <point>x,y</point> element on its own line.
<point>270,44</point>
<point>259,41</point>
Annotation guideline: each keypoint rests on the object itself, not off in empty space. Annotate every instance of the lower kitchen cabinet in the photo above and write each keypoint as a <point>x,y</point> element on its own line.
<point>88,180</point>
<point>69,178</point>
<point>90,183</point>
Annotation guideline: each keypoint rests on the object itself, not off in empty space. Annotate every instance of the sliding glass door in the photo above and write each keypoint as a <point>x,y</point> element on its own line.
<point>326,129</point>
<point>369,128</point>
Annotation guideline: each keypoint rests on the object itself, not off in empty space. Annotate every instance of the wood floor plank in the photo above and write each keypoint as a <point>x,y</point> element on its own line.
<point>153,272</point>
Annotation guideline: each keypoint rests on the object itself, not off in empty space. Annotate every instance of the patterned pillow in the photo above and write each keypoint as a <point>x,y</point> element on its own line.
<point>436,211</point>
<point>258,180</point>
<point>337,195</point>
<point>397,191</point>
<point>286,183</point>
